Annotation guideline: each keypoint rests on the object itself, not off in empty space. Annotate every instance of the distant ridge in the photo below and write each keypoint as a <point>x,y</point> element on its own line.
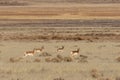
<point>61,23</point>
<point>12,3</point>
<point>75,1</point>
<point>38,2</point>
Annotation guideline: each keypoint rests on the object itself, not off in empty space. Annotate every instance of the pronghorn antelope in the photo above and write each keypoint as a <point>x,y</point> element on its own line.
<point>29,53</point>
<point>75,53</point>
<point>38,50</point>
<point>60,49</point>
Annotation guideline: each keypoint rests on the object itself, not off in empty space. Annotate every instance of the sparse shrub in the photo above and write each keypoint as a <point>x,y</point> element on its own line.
<point>14,59</point>
<point>45,54</point>
<point>56,60</point>
<point>117,45</point>
<point>107,79</point>
<point>103,78</point>
<point>68,59</point>
<point>117,78</point>
<point>55,37</point>
<point>90,40</point>
<point>20,58</point>
<point>58,78</point>
<point>9,72</point>
<point>28,61</point>
<point>95,73</point>
<point>83,60</point>
<point>37,60</point>
<point>83,56</point>
<point>96,38</point>
<point>118,59</point>
<point>48,59</point>
<point>60,57</point>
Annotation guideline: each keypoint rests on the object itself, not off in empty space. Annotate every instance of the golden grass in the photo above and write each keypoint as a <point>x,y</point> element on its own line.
<point>82,12</point>
<point>53,64</point>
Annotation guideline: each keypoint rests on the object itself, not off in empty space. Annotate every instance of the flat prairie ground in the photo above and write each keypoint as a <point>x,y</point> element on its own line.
<point>101,62</point>
<point>98,58</point>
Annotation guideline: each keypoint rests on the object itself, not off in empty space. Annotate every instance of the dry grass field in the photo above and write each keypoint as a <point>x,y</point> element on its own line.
<point>97,61</point>
<point>99,57</point>
<point>59,39</point>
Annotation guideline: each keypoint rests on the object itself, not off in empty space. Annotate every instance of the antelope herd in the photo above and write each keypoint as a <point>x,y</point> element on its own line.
<point>60,49</point>
<point>40,50</point>
<point>34,51</point>
<point>75,53</point>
